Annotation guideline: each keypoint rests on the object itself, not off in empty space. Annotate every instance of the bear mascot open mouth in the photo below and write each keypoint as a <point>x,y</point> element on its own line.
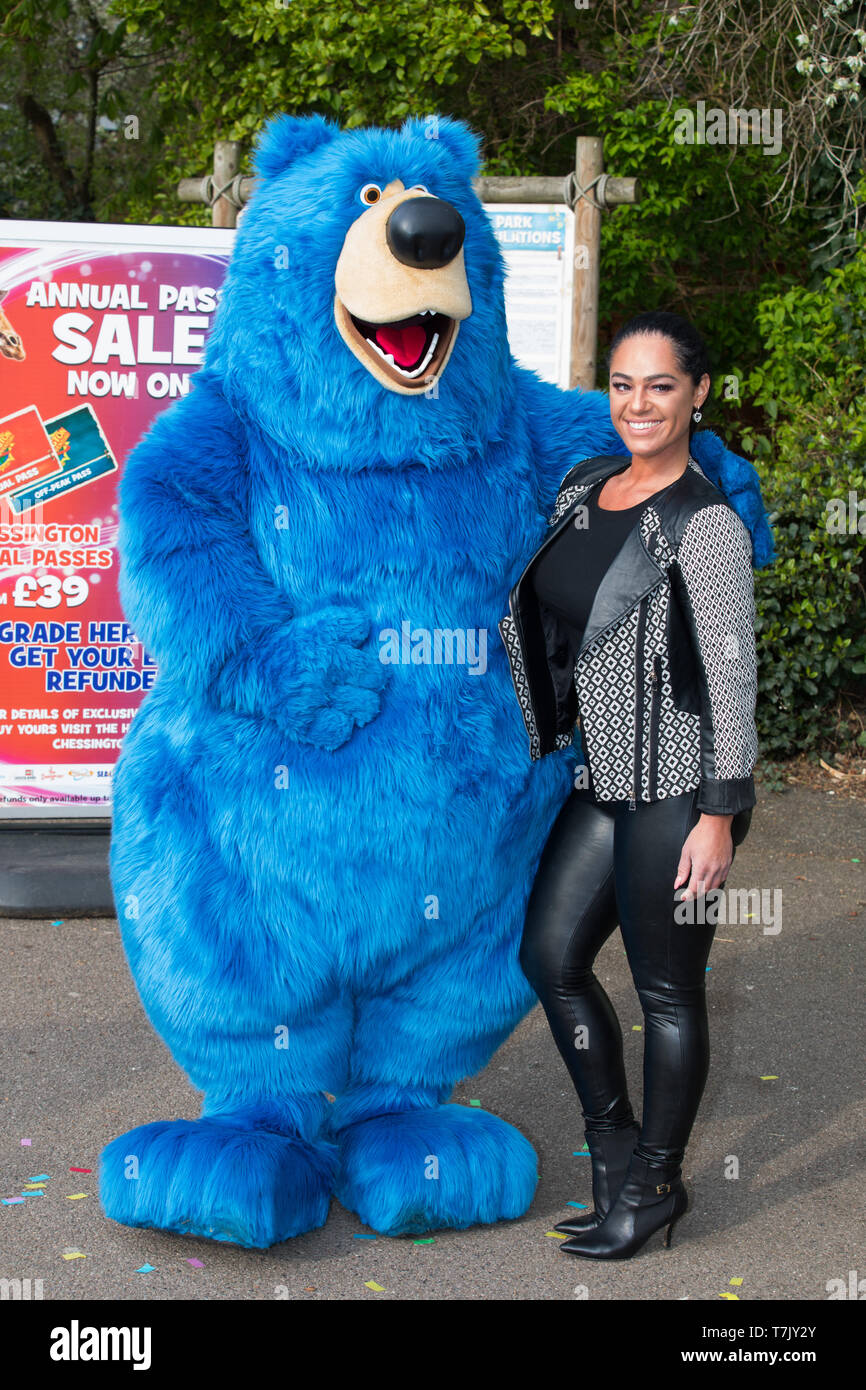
<point>401,285</point>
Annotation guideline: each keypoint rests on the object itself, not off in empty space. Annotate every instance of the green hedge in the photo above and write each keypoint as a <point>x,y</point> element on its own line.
<point>811,604</point>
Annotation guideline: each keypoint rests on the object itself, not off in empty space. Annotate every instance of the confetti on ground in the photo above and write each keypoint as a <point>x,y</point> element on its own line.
<point>12,1201</point>
<point>33,1191</point>
<point>855,861</point>
<point>145,1269</point>
<point>475,1102</point>
<point>196,1264</point>
<point>70,1254</point>
<point>769,1078</point>
<point>637,1027</point>
<point>580,1153</point>
<point>40,1177</point>
<point>58,923</point>
<point>708,969</point>
<point>363,1237</point>
<point>76,1196</point>
<point>582,1205</point>
<point>81,1170</point>
<point>33,1187</point>
<point>557,1235</point>
<point>735,1280</point>
<point>428,1240</point>
<point>25,1143</point>
<point>734,1296</point>
<point>371,1284</point>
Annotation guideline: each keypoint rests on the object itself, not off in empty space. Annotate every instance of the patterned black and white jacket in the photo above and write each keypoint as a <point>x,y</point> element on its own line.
<point>663,687</point>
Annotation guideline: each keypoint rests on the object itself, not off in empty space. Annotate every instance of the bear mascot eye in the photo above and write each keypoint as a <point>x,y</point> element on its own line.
<point>370,193</point>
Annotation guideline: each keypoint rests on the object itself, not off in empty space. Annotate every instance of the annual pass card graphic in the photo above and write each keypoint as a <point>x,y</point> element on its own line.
<point>26,451</point>
<point>83,453</point>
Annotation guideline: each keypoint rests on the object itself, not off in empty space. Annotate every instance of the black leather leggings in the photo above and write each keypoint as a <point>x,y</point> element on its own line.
<point>605,863</point>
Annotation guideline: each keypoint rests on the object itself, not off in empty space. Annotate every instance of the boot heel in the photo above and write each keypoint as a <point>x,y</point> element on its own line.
<point>669,1233</point>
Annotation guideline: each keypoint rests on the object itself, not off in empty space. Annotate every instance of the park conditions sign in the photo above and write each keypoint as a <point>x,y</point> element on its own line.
<point>101,327</point>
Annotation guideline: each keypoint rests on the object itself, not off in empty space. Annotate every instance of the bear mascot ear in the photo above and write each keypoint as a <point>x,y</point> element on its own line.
<point>462,143</point>
<point>286,138</point>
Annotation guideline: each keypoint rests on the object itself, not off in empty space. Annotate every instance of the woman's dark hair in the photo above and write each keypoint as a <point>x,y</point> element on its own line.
<point>690,350</point>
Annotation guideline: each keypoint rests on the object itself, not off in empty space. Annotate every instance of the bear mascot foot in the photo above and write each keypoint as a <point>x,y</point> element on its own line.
<point>217,1178</point>
<point>419,1170</point>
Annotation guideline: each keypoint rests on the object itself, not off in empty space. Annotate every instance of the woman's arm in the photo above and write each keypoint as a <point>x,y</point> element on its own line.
<point>715,581</point>
<point>715,585</point>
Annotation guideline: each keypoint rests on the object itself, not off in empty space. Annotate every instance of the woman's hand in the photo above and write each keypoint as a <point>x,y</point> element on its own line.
<point>707,856</point>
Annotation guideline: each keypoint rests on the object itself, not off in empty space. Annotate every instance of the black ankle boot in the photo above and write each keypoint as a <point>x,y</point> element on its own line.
<point>651,1196</point>
<point>610,1152</point>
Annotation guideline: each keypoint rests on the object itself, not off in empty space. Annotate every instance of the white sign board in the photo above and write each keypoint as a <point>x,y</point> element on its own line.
<point>537,241</point>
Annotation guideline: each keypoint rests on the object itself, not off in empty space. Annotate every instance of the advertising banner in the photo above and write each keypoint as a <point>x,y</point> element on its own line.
<point>100,328</point>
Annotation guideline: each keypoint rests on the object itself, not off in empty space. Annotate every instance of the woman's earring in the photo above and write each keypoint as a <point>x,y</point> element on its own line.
<point>696,415</point>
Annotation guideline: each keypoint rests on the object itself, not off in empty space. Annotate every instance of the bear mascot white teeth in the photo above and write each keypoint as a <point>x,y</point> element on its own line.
<point>326,819</point>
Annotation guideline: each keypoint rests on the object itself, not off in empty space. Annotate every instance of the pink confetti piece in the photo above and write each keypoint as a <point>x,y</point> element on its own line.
<point>81,1170</point>
<point>196,1264</point>
<point>12,1201</point>
<point>25,1143</point>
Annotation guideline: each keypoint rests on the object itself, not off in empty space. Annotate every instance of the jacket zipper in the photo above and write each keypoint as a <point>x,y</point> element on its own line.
<point>655,699</point>
<point>638,704</point>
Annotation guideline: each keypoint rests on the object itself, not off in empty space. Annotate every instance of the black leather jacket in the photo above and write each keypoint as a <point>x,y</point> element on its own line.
<point>664,684</point>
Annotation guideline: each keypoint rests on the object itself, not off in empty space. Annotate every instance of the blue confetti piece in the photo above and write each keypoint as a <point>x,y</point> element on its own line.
<point>580,1205</point>
<point>363,1237</point>
<point>146,1269</point>
<point>40,1177</point>
<point>580,1153</point>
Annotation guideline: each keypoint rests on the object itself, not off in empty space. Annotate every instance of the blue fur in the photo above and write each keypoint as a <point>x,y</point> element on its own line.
<point>321,862</point>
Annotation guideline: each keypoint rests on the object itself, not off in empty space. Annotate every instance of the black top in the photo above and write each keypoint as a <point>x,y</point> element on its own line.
<point>567,576</point>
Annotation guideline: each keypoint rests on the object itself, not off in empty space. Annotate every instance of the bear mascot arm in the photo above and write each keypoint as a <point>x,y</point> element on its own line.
<point>230,631</point>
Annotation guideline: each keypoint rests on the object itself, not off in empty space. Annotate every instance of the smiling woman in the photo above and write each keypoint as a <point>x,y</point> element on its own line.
<point>652,651</point>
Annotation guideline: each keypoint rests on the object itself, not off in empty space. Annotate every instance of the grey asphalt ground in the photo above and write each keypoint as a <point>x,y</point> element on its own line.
<point>79,1064</point>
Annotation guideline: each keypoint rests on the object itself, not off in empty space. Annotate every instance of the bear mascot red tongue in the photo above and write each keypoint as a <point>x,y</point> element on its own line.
<point>326,818</point>
<point>404,344</point>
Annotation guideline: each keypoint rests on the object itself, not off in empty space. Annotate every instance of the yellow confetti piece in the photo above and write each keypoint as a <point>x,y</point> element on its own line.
<point>557,1235</point>
<point>33,1187</point>
<point>76,1196</point>
<point>637,1027</point>
<point>769,1078</point>
<point>735,1280</point>
<point>734,1296</point>
<point>74,1255</point>
<point>371,1284</point>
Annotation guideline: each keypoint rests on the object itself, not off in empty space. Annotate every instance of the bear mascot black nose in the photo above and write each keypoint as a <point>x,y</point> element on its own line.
<point>425,232</point>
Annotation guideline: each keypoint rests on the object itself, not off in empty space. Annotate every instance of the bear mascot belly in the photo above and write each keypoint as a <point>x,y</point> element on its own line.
<point>326,819</point>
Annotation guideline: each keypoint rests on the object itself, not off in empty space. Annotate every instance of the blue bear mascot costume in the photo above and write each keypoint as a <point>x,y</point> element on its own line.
<point>326,819</point>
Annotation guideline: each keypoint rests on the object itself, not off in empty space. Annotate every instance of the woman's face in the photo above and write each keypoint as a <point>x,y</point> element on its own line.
<point>651,400</point>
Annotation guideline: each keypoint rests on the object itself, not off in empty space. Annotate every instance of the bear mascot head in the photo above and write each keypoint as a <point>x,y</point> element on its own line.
<point>326,818</point>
